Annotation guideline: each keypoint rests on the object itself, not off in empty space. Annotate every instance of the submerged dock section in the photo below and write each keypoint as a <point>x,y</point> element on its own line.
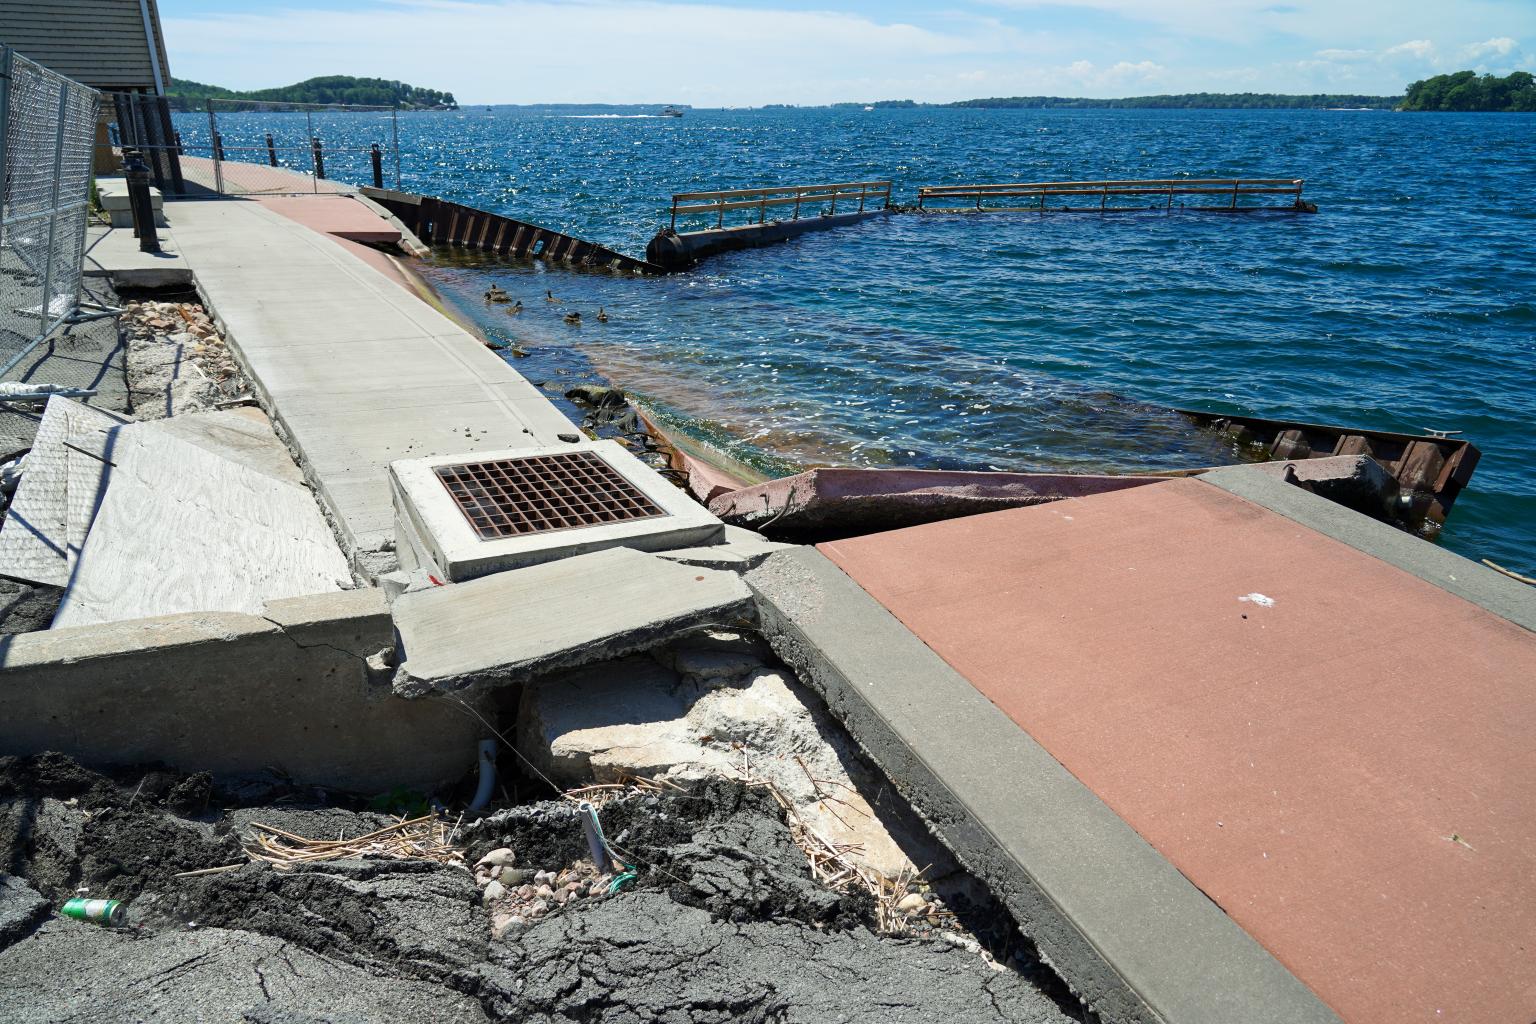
<point>1221,195</point>
<point>808,208</point>
<point>440,222</point>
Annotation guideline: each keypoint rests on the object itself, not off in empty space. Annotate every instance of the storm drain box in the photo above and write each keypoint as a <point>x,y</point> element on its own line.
<point>462,516</point>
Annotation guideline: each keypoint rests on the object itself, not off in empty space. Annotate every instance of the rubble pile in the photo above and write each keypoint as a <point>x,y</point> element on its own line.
<point>177,361</point>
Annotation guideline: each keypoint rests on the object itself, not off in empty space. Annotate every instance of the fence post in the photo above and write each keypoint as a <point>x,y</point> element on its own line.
<point>6,63</point>
<point>218,164</point>
<point>180,149</point>
<point>319,151</point>
<point>1234,196</point>
<point>136,172</point>
<point>218,147</point>
<point>53,219</point>
<point>394,142</point>
<point>271,151</point>
<point>377,155</point>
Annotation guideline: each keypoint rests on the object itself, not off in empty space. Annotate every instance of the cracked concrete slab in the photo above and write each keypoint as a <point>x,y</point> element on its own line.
<point>515,625</point>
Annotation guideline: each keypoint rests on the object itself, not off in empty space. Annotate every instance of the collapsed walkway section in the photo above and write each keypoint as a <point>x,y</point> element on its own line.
<point>1163,721</point>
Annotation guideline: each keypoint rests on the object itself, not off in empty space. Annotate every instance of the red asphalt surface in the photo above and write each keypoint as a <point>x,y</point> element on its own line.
<point>1340,755</point>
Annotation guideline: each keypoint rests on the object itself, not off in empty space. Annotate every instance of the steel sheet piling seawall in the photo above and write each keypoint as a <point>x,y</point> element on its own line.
<point>440,222</point>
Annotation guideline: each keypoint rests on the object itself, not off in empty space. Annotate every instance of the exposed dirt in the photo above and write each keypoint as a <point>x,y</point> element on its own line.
<point>723,923</point>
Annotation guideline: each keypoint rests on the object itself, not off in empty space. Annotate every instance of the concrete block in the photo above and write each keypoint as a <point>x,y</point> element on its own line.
<point>634,718</point>
<point>515,625</point>
<point>1357,482</point>
<point>449,541</point>
<point>351,620</point>
<point>113,193</point>
<point>234,693</point>
<point>114,253</point>
<point>614,714</point>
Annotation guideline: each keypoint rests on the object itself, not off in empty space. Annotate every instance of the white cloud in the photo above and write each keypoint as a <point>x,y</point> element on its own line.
<point>1503,46</point>
<point>535,51</point>
<point>1420,49</point>
<point>1141,70</point>
<point>708,53</point>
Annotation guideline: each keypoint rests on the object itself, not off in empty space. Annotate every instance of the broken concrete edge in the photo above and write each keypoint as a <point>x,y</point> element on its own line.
<point>506,627</point>
<point>1135,939</point>
<point>411,244</point>
<point>304,688</point>
<point>1509,599</point>
<point>737,550</point>
<point>737,616</point>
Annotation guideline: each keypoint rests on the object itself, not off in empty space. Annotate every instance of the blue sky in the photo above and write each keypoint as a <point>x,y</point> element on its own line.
<point>735,52</point>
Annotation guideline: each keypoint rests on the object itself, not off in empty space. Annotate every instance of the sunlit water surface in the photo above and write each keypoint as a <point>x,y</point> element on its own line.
<point>1014,341</point>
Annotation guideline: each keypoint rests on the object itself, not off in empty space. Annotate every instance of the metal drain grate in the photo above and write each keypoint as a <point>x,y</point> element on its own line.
<point>541,493</point>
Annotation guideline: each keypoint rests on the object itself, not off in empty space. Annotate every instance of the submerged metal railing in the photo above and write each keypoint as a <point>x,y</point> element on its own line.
<point>47,134</point>
<point>807,200</point>
<point>1231,189</point>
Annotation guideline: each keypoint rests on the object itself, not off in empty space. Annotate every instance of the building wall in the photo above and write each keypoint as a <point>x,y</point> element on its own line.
<point>100,43</point>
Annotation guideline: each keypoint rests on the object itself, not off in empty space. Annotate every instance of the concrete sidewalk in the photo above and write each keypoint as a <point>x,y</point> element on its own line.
<point>355,371</point>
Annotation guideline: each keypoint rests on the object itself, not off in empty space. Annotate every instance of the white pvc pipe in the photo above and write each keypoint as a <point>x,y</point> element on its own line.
<point>487,754</point>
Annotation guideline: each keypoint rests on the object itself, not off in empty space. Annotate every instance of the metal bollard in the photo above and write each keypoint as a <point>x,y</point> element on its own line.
<point>136,172</point>
<point>377,155</point>
<point>271,150</point>
<point>319,152</point>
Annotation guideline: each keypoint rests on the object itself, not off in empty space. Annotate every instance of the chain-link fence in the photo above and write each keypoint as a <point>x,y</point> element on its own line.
<point>47,132</point>
<point>143,121</point>
<point>248,147</point>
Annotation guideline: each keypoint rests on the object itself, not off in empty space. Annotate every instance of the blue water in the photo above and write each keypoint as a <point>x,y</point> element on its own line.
<point>1014,341</point>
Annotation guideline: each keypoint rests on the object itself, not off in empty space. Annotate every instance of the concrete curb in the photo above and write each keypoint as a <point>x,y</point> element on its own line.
<point>294,688</point>
<point>1132,937</point>
<point>1509,599</point>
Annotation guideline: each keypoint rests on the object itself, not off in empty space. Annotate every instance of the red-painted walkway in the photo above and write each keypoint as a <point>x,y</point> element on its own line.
<point>1339,754</point>
<point>350,225</point>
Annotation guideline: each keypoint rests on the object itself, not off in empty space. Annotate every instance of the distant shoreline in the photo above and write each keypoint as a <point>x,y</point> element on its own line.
<point>1198,101</point>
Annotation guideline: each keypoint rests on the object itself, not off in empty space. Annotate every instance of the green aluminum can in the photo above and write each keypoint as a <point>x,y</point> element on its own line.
<point>110,913</point>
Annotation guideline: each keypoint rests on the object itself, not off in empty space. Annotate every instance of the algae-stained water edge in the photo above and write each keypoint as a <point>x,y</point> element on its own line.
<point>1016,341</point>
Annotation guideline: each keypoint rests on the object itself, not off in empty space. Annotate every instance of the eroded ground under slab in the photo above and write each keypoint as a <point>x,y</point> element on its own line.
<point>722,924</point>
